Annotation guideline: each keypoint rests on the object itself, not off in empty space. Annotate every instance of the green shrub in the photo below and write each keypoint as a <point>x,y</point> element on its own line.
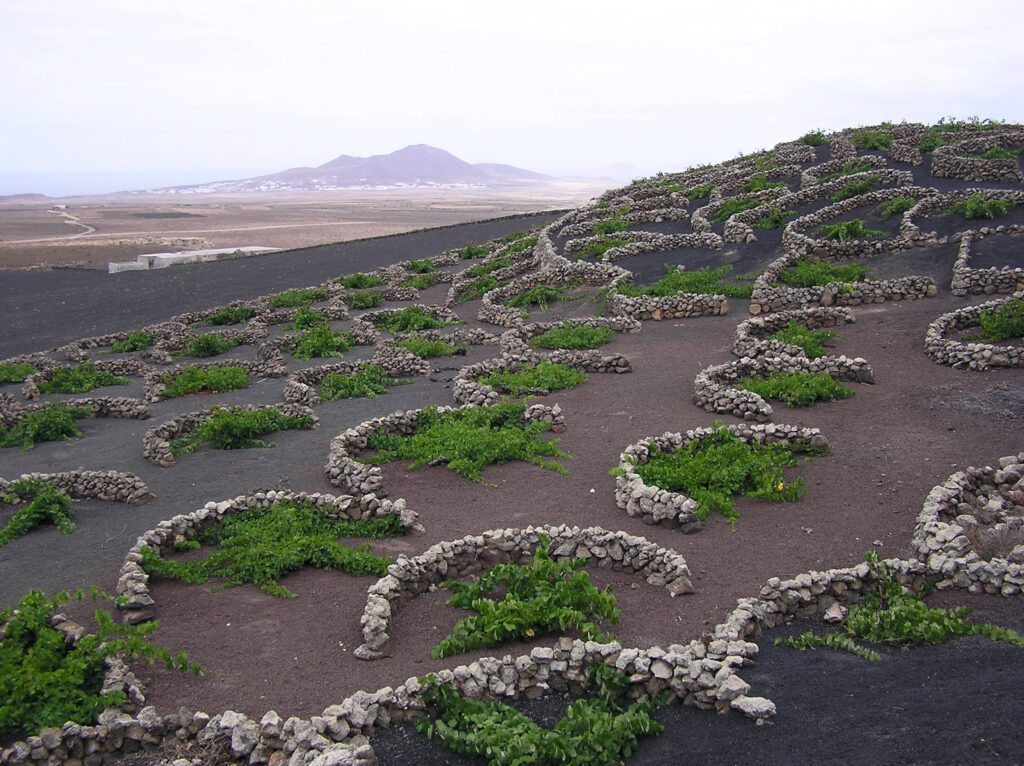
<point>367,381</point>
<point>421,281</point>
<point>421,266</point>
<point>805,272</point>
<point>520,245</point>
<point>47,682</point>
<point>891,615</point>
<point>931,142</point>
<point>846,231</point>
<point>848,169</point>
<point>543,378</point>
<point>814,138</point>
<point>1001,323</point>
<point>411,319</point>
<point>210,344</point>
<point>320,343</point>
<point>293,299</point>
<point>866,140</point>
<point>775,218</point>
<point>598,248</point>
<point>514,237</point>
<point>495,264</point>
<point>732,206</point>
<point>43,504</point>
<point>541,296</point>
<point>477,288</point>
<point>895,206</point>
<point>811,341</point>
<point>976,207</point>
<point>597,731</point>
<point>473,251</point>
<point>360,281</point>
<point>1000,153</point>
<point>136,341</point>
<point>214,379</point>
<point>469,440</point>
<point>574,337</point>
<point>238,428</point>
<point>431,349</point>
<point>539,597</point>
<point>364,299</point>
<point>760,182</point>
<point>262,545</point>
<point>703,281</point>
<point>611,225</point>
<point>717,466</point>
<point>308,318</point>
<point>54,422</point>
<point>699,192</point>
<point>855,189</point>
<point>79,379</point>
<point>16,373</point>
<point>797,389</point>
<point>231,315</point>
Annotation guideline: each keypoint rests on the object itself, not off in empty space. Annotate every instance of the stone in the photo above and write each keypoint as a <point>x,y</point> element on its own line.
<point>759,708</point>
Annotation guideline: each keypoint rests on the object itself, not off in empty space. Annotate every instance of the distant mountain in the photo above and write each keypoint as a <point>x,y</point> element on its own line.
<point>412,167</point>
<point>23,197</point>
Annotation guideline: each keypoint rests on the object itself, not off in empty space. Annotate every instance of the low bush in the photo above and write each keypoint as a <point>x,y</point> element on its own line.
<point>468,440</point>
<point>931,142</point>
<point>703,281</point>
<point>47,681</point>
<point>308,318</point>
<point>895,206</point>
<point>364,299</point>
<point>845,231</point>
<point>231,315</point>
<point>541,296</point>
<point>811,341</point>
<point>421,281</point>
<point>42,504</point>
<point>79,379</point>
<point>805,272</point>
<point>293,299</point>
<point>360,281</point>
<point>867,140</point>
<point>760,182</point>
<point>543,378</point>
<point>262,545</point>
<point>576,337</point>
<point>320,343</point>
<point>1001,153</point>
<point>797,389</point>
<point>513,237</point>
<point>411,319</point>
<point>55,422</point>
<point>699,192</point>
<point>210,344</point>
<point>421,266</point>
<point>477,288</point>
<point>136,341</point>
<point>16,373</point>
<point>238,428</point>
<point>425,348</point>
<point>848,169</point>
<point>855,189</point>
<point>1001,323</point>
<point>472,251</point>
<point>539,597</point>
<point>520,244</point>
<point>598,248</point>
<point>214,379</point>
<point>495,264</point>
<point>612,224</point>
<point>732,206</point>
<point>976,207</point>
<point>893,616</point>
<point>368,381</point>
<point>775,218</point>
<point>717,466</point>
<point>814,138</point>
<point>597,731</point>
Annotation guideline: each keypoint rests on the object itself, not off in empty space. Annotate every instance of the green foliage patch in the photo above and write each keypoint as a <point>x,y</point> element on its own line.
<point>760,182</point>
<point>293,299</point>
<point>231,315</point>
<point>1001,323</point>
<point>797,389</point>
<point>411,319</point>
<point>16,373</point>
<point>79,379</point>
<point>306,318</point>
<point>814,138</point>
<point>543,295</point>
<point>238,428</point>
<point>598,248</point>
<point>421,266</point>
<point>495,264</point>
<point>699,192</point>
<point>364,299</point>
<point>543,378</point>
<point>477,288</point>
<point>55,422</point>
<point>43,504</point>
<point>136,341</point>
<point>811,341</point>
<point>895,206</point>
<point>1001,153</point>
<point>855,189</point>
<point>421,281</point>
<point>893,616</point>
<point>703,281</point>
<point>732,206</point>
<point>368,381</point>
<point>469,440</point>
<point>775,218</point>
<point>360,281</point>
<point>574,337</point>
<point>539,597</point>
<point>425,348</point>
<point>805,272</point>
<point>209,344</point>
<point>867,140</point>
<point>848,169</point>
<point>472,251</point>
<point>612,224</point>
<point>976,207</point>
<point>846,231</point>
<point>214,379</point>
<point>320,343</point>
<point>262,545</point>
<point>717,466</point>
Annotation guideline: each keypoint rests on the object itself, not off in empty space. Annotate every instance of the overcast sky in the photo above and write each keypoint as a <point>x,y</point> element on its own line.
<point>101,95</point>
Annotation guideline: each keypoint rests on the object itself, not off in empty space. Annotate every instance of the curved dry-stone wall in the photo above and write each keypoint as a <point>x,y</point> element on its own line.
<point>713,388</point>
<point>972,355</point>
<point>344,470</point>
<point>99,406</point>
<point>812,176</point>
<point>639,242</point>
<point>122,367</point>
<point>950,161</point>
<point>991,281</point>
<point>753,336</point>
<point>270,365</point>
<point>156,444</point>
<point>940,204</point>
<point>676,306</point>
<point>969,506</point>
<point>409,577</point>
<point>658,506</point>
<point>163,351</point>
<point>302,387</point>
<point>115,486</point>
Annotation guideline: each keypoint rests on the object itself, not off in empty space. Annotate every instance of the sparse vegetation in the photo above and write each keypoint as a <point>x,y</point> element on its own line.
<point>425,348</point>
<point>845,231</point>
<point>307,318</point>
<point>52,423</point>
<point>1001,323</point>
<point>136,341</point>
<point>613,224</point>
<point>293,299</point>
<point>543,378</point>
<point>411,319</point>
<point>209,344</point>
<point>855,189</point>
<point>848,169</point>
<point>976,207</point>
<point>360,281</point>
<point>421,281</point>
<point>702,281</point>
<point>473,251</point>
<point>760,182</point>
<point>699,192</point>
<point>542,295</point>
<point>805,272</point>
<point>775,218</point>
<point>368,381</point>
<point>797,389</point>
<point>868,140</point>
<point>42,504</point>
<point>575,337</point>
<point>365,299</point>
<point>1002,153</point>
<point>519,244</point>
<point>598,248</point>
<point>477,288</point>
<point>238,428</point>
<point>932,141</point>
<point>320,343</point>
<point>262,545</point>
<point>495,264</point>
<point>814,138</point>
<point>811,341</point>
<point>214,379</point>
<point>732,206</point>
<point>16,373</point>
<point>468,440</point>
<point>895,206</point>
<point>421,266</point>
<point>231,315</point>
<point>79,379</point>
